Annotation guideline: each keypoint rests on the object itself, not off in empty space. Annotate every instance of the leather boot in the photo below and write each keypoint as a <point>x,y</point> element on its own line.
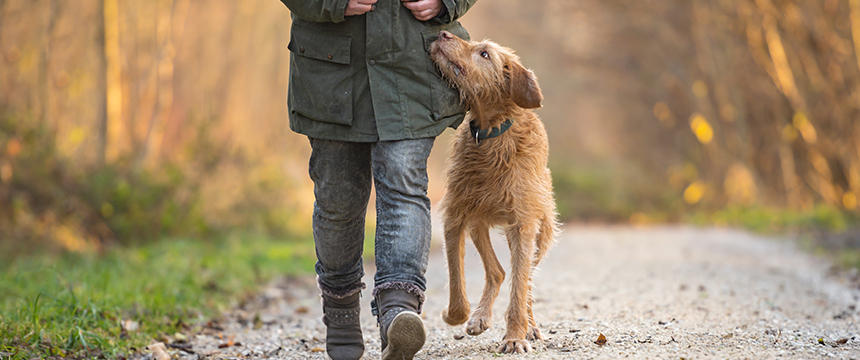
<point>343,339</point>
<point>400,327</point>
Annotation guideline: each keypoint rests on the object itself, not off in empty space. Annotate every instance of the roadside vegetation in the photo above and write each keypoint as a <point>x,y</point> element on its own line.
<point>111,304</point>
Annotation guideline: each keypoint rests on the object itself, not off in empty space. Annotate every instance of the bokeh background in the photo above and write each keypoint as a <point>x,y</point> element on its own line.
<point>124,121</point>
<point>127,122</point>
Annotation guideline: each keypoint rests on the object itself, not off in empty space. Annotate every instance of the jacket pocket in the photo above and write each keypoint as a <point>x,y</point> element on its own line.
<point>445,99</point>
<point>320,76</point>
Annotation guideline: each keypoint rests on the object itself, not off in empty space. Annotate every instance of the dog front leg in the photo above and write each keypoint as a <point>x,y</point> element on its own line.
<point>521,241</point>
<point>458,306</point>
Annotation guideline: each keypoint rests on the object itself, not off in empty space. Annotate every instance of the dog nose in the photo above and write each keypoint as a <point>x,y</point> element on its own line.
<point>445,35</point>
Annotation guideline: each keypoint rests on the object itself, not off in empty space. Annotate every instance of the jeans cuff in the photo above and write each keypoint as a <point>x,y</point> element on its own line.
<point>402,285</point>
<point>341,293</point>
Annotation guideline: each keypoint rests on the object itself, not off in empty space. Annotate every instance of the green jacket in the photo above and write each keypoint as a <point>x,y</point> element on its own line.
<point>369,78</point>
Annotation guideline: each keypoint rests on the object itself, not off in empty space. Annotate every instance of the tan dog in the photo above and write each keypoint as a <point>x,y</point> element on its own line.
<point>498,175</point>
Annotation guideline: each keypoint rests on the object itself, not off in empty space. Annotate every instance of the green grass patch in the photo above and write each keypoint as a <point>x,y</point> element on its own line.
<point>773,220</point>
<point>818,229</point>
<point>605,194</point>
<point>72,305</point>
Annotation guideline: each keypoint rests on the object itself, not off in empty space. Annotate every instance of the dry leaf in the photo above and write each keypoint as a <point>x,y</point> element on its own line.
<point>130,325</point>
<point>159,351</point>
<point>601,340</point>
<point>317,349</point>
<point>229,343</point>
<point>302,310</point>
<point>459,336</point>
<point>842,341</point>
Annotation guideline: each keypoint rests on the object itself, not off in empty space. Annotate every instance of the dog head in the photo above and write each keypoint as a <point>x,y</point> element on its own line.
<point>485,72</point>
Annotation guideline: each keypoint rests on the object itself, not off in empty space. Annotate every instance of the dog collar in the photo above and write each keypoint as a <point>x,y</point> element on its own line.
<point>483,134</point>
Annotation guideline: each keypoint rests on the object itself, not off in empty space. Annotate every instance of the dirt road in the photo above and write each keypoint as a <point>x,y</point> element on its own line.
<point>668,292</point>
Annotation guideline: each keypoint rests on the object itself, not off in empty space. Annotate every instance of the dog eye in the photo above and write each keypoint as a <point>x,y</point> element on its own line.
<point>485,55</point>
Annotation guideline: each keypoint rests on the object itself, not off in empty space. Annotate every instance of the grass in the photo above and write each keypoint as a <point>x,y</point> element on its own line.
<point>816,227</point>
<point>771,220</point>
<point>71,306</point>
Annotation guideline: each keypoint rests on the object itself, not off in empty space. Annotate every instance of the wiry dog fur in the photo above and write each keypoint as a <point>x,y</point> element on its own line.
<point>501,181</point>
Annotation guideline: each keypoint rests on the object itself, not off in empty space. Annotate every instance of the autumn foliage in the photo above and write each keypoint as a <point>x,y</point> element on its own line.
<point>129,120</point>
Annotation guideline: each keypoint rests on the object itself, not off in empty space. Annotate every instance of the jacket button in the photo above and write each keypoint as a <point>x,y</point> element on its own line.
<point>330,57</point>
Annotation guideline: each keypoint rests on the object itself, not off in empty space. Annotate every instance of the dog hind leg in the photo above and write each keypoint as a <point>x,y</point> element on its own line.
<point>544,240</point>
<point>521,239</point>
<point>494,275</point>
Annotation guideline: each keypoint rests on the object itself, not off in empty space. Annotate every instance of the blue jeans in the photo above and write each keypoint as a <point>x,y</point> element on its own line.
<point>341,172</point>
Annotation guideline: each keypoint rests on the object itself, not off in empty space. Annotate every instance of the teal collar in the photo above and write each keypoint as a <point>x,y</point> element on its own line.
<point>483,134</point>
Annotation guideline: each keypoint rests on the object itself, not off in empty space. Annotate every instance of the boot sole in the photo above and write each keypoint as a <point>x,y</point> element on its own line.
<point>406,335</point>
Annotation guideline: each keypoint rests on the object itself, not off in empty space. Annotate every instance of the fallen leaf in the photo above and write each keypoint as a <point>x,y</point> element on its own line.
<point>229,343</point>
<point>130,325</point>
<point>180,337</point>
<point>553,331</point>
<point>317,349</point>
<point>601,340</point>
<point>159,351</point>
<point>842,341</point>
<point>728,336</point>
<point>574,331</point>
<point>459,336</point>
<point>302,310</point>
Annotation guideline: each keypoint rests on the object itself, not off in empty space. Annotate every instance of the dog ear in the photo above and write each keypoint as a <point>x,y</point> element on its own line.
<point>524,88</point>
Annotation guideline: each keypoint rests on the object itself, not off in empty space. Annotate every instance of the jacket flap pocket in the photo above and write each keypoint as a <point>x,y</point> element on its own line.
<point>320,46</point>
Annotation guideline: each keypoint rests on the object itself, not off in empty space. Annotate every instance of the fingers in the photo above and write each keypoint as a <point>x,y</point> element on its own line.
<point>423,10</point>
<point>425,14</point>
<point>419,5</point>
<point>359,7</point>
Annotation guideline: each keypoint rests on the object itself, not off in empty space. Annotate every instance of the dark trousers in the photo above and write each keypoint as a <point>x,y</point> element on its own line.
<point>343,173</point>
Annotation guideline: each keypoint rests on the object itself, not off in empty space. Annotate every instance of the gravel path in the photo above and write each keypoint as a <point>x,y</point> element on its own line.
<point>668,292</point>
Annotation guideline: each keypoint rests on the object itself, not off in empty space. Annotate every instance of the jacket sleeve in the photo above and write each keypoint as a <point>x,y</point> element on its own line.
<point>318,10</point>
<point>455,9</point>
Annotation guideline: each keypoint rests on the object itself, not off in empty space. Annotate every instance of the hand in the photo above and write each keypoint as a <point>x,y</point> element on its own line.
<point>359,7</point>
<point>423,10</point>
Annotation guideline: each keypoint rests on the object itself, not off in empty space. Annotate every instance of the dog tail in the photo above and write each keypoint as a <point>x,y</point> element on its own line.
<point>546,237</point>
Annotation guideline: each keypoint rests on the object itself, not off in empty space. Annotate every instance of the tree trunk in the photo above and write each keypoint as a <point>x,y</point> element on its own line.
<point>112,110</point>
<point>101,150</point>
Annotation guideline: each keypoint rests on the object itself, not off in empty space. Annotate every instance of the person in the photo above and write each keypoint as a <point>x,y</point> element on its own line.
<point>364,91</point>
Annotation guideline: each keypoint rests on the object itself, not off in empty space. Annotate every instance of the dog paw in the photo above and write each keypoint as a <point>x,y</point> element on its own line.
<point>534,334</point>
<point>455,318</point>
<point>514,346</point>
<point>477,325</point>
